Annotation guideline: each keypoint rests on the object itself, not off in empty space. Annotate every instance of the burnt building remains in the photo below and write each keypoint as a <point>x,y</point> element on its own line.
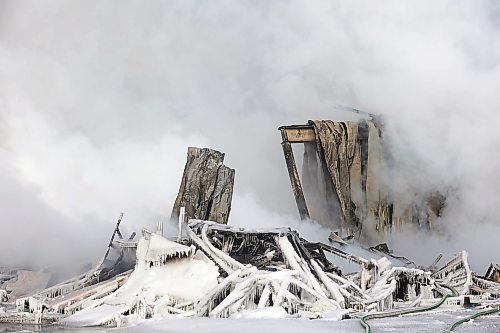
<point>345,180</point>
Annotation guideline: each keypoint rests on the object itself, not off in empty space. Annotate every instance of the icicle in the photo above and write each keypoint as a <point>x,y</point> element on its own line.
<point>210,299</point>
<point>281,293</point>
<point>296,262</point>
<point>238,305</point>
<point>182,217</point>
<point>238,292</point>
<point>264,298</point>
<point>347,282</point>
<point>332,287</point>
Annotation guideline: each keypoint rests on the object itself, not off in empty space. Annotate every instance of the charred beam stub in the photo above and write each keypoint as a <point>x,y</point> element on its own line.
<point>206,188</point>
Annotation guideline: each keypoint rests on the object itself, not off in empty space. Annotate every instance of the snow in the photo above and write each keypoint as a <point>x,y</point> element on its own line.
<point>160,249</point>
<point>421,323</point>
<point>245,325</point>
<point>96,316</point>
<point>264,313</point>
<point>189,278</point>
<point>153,289</point>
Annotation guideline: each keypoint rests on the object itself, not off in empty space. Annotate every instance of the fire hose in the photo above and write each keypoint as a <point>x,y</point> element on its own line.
<point>379,315</point>
<point>474,316</point>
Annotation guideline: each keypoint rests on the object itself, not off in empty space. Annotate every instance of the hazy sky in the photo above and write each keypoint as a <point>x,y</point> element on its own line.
<point>99,101</point>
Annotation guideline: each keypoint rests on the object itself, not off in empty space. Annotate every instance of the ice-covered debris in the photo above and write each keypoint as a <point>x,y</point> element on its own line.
<point>166,289</point>
<point>160,250</point>
<point>251,288</point>
<point>314,279</point>
<point>220,271</point>
<point>493,273</point>
<point>75,294</point>
<point>456,273</point>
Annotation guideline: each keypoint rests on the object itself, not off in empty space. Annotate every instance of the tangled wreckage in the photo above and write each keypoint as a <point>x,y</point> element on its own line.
<point>212,269</point>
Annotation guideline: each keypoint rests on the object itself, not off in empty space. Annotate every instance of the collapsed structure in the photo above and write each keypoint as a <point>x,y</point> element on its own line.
<point>221,271</point>
<point>215,270</point>
<point>342,187</point>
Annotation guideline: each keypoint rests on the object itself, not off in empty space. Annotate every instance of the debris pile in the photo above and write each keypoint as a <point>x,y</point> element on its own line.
<point>222,271</point>
<point>215,270</point>
<point>493,273</point>
<point>457,274</point>
<point>296,274</point>
<point>69,296</point>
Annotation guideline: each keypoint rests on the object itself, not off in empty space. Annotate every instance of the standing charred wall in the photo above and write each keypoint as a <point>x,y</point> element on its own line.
<point>346,180</point>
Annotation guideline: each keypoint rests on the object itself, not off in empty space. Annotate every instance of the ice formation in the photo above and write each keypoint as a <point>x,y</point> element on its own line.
<point>221,271</point>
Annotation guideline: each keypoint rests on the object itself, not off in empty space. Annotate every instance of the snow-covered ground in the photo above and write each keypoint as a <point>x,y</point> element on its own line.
<point>430,322</point>
<point>435,322</point>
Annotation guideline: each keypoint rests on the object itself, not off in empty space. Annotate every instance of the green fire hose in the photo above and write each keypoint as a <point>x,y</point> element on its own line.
<point>379,315</point>
<point>474,316</point>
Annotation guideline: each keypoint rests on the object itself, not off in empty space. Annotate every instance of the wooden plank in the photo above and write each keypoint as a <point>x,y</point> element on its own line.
<point>298,133</point>
<point>294,179</point>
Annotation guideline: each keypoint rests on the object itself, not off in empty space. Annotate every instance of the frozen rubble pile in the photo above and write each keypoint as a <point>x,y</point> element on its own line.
<point>221,271</point>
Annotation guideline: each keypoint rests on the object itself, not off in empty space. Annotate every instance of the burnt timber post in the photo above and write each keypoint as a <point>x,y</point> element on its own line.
<point>291,134</point>
<point>206,189</point>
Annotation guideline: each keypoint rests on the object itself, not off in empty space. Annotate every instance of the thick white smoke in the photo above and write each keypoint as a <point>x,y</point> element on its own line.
<point>99,101</point>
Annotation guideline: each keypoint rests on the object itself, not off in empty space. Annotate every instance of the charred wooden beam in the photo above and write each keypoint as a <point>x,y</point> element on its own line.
<point>493,273</point>
<point>260,248</point>
<point>340,253</point>
<point>115,232</point>
<point>295,181</point>
<point>298,133</point>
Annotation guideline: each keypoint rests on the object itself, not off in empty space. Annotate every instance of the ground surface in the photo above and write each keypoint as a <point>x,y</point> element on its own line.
<point>434,322</point>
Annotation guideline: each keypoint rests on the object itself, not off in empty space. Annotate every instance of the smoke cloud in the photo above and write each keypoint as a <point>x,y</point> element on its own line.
<point>100,100</point>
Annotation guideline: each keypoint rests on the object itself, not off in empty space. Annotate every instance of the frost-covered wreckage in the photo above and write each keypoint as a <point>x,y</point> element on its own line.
<point>214,270</point>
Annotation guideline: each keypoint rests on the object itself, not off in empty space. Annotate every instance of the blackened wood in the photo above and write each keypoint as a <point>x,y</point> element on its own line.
<point>206,188</point>
<point>222,196</point>
<point>295,181</point>
<point>297,133</point>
